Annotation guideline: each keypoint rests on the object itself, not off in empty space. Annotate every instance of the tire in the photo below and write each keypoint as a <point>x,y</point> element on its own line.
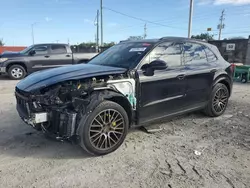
<point>98,138</point>
<point>244,78</point>
<point>16,72</point>
<point>218,99</point>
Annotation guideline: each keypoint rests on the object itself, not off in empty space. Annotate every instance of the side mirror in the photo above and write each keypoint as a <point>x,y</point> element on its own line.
<point>158,65</point>
<point>32,52</point>
<point>154,65</point>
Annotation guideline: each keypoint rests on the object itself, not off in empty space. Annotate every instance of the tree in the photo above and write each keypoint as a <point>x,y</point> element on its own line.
<point>1,42</point>
<point>107,45</point>
<point>203,36</point>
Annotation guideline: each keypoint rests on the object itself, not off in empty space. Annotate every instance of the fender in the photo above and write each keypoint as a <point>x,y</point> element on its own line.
<point>95,98</point>
<point>223,78</point>
<point>11,62</point>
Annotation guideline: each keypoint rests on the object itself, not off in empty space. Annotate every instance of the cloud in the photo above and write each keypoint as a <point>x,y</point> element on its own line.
<point>204,2</point>
<point>48,19</point>
<point>63,1</point>
<point>112,24</point>
<point>223,2</point>
<point>233,2</point>
<point>86,20</point>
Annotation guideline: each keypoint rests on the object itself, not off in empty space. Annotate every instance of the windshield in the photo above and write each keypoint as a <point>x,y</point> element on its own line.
<point>124,55</point>
<point>26,50</point>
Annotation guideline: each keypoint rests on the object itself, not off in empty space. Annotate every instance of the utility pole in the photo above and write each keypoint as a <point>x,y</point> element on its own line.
<point>101,7</point>
<point>221,25</point>
<point>32,32</point>
<point>190,18</point>
<point>97,31</point>
<point>145,31</point>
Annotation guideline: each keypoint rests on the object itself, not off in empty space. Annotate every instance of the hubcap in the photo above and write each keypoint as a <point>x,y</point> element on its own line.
<point>106,129</point>
<point>220,100</point>
<point>17,72</point>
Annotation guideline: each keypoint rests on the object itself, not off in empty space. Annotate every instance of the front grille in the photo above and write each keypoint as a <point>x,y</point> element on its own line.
<point>22,105</point>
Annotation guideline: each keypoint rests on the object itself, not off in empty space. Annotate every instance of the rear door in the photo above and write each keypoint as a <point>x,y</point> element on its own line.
<point>59,55</point>
<point>200,66</point>
<point>163,93</point>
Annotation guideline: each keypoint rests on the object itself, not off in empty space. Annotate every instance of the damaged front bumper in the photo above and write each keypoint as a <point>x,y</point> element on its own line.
<point>58,123</point>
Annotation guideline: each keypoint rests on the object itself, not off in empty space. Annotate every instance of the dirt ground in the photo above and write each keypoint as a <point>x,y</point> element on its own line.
<point>163,159</point>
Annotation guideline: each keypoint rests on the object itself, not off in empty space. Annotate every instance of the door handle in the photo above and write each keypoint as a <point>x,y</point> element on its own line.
<point>47,56</point>
<point>181,77</point>
<point>67,55</point>
<point>213,70</point>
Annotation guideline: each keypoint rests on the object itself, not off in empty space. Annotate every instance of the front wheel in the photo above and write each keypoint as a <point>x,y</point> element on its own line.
<point>105,129</point>
<point>16,72</point>
<point>218,101</point>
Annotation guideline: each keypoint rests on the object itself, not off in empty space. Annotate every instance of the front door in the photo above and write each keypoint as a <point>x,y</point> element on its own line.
<point>39,58</point>
<point>162,93</point>
<point>200,66</point>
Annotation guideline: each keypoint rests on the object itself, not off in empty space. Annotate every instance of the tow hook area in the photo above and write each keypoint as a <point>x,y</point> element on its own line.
<point>37,118</point>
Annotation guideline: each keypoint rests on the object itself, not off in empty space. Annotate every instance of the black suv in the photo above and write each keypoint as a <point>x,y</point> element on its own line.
<point>130,84</point>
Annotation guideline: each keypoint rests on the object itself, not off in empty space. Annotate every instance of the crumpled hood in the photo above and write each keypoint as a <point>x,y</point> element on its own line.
<point>49,77</point>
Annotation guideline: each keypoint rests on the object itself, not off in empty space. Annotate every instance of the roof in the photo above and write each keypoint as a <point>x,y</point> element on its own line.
<point>166,39</point>
<point>50,44</point>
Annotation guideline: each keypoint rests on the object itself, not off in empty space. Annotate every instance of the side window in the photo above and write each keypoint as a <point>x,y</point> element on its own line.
<point>194,54</point>
<point>58,49</point>
<point>167,52</point>
<point>41,50</point>
<point>210,55</point>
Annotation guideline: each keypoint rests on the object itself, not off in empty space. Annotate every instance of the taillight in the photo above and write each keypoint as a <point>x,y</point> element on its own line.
<point>232,67</point>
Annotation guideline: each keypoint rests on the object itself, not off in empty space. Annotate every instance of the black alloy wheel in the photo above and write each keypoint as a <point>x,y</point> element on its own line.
<point>218,101</point>
<point>105,128</point>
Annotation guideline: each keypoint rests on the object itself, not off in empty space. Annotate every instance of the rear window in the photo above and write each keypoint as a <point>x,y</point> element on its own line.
<point>58,49</point>
<point>210,55</point>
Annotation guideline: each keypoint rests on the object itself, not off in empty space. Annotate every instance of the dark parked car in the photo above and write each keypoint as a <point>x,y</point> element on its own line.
<point>130,84</point>
<point>39,57</point>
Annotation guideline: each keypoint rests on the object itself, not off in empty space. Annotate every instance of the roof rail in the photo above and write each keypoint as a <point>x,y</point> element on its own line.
<point>171,37</point>
<point>123,41</point>
<point>163,38</point>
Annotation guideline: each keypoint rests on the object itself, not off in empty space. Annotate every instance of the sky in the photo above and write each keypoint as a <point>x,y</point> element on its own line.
<point>73,20</point>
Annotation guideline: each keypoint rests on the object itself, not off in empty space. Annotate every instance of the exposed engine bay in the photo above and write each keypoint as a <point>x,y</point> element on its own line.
<point>59,108</point>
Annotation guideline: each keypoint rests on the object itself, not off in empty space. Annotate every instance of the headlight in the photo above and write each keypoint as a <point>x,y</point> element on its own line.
<point>3,59</point>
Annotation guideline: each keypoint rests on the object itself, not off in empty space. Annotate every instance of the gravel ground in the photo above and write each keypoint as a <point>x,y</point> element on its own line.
<point>163,159</point>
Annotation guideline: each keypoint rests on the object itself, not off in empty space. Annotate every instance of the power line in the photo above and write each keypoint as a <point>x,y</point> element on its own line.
<point>143,20</point>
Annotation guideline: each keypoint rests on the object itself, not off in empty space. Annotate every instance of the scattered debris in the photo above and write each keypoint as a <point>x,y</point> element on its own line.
<point>152,128</point>
<point>227,116</point>
<point>197,152</point>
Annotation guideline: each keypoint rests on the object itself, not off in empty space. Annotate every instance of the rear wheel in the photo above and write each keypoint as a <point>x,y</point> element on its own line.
<point>105,129</point>
<point>16,72</point>
<point>218,101</point>
<point>244,78</point>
